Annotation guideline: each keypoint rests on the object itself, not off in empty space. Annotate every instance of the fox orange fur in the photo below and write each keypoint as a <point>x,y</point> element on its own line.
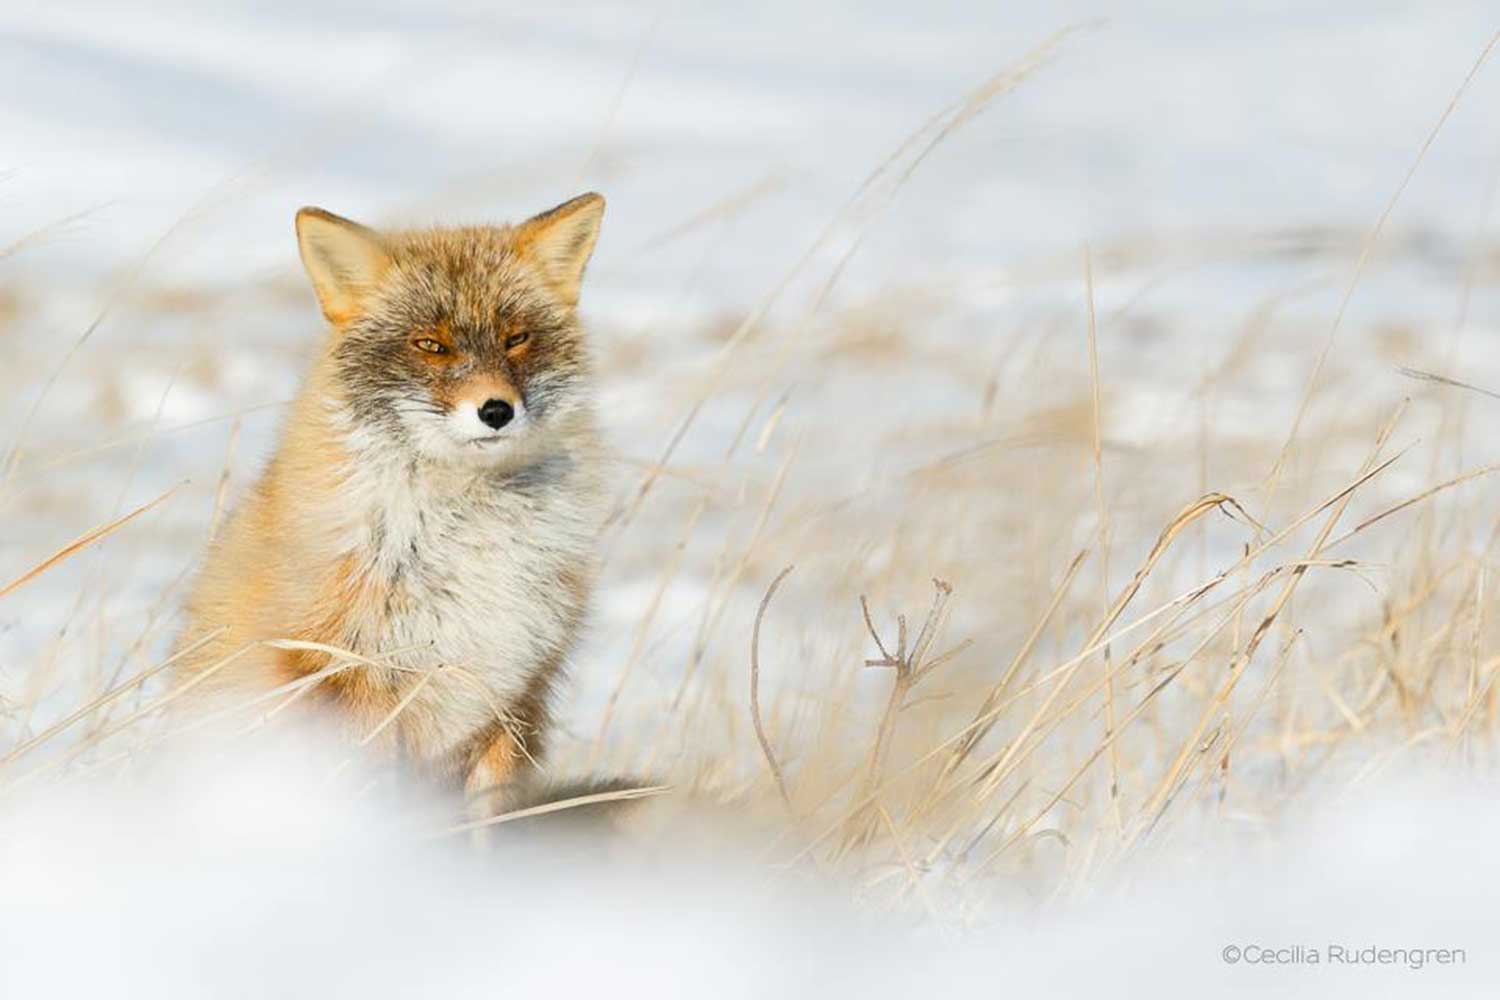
<point>433,504</point>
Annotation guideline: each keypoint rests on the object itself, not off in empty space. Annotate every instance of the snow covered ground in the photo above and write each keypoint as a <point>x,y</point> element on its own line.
<point>1213,158</point>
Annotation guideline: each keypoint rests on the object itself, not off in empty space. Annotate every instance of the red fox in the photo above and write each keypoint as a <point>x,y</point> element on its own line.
<point>433,504</point>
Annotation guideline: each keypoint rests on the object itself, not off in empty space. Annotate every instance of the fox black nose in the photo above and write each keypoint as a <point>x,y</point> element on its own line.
<point>496,413</point>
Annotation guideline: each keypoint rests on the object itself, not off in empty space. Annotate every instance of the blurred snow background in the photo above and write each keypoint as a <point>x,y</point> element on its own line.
<point>1167,118</point>
<point>1212,157</point>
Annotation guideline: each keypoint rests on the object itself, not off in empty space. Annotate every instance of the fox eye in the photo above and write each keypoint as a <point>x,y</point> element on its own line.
<point>429,345</point>
<point>515,340</point>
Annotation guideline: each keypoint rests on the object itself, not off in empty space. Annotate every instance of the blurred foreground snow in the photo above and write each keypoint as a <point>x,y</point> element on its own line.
<point>261,878</point>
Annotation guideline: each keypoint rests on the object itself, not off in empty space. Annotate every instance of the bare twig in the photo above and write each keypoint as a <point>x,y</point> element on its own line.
<point>760,729</point>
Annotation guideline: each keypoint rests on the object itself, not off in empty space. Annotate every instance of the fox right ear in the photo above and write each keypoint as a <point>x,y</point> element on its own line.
<point>344,260</point>
<point>561,239</point>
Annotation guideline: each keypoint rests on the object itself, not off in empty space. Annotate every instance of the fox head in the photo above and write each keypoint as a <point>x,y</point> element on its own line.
<point>460,344</point>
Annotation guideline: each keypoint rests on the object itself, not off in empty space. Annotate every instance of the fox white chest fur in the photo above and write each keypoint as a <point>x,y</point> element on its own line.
<point>432,506</point>
<point>474,581</point>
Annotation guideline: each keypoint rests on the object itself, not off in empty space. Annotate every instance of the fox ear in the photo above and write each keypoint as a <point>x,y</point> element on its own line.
<point>344,260</point>
<point>560,241</point>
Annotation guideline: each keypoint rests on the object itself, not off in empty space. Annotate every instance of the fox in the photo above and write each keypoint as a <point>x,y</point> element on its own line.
<point>432,506</point>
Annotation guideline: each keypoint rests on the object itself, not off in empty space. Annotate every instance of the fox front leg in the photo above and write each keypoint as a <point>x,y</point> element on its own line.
<point>498,777</point>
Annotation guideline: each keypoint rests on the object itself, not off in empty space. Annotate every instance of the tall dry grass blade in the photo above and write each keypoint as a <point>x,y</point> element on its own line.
<point>111,301</point>
<point>596,798</point>
<point>643,627</point>
<point>1103,539</point>
<point>42,233</point>
<point>1159,801</point>
<point>1431,491</point>
<point>966,111</point>
<point>1366,249</point>
<point>987,715</point>
<point>65,723</point>
<point>616,101</point>
<point>1421,376</point>
<point>84,541</point>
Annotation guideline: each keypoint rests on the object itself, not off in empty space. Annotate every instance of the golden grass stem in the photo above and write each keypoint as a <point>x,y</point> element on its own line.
<point>596,798</point>
<point>84,541</point>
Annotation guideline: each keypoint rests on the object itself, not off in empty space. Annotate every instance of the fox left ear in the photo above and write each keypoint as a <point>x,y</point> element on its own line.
<point>560,241</point>
<point>343,259</point>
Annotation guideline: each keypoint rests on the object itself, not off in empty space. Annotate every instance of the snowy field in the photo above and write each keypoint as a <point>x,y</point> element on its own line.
<point>842,307</point>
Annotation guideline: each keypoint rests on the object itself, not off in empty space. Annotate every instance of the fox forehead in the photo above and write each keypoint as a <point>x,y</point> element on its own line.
<point>474,279</point>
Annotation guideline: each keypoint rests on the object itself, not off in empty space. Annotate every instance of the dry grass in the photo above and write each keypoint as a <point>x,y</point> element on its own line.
<point>1006,731</point>
<point>1057,604</point>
